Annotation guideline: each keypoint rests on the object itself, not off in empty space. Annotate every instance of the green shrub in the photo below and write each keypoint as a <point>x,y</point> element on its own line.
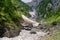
<point>10,12</point>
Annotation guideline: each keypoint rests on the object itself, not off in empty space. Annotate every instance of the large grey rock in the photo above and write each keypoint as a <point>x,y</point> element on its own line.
<point>12,32</point>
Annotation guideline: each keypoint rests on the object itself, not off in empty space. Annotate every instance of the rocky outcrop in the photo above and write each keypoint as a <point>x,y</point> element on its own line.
<point>12,32</point>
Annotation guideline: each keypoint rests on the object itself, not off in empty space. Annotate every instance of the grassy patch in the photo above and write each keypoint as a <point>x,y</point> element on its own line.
<point>55,36</point>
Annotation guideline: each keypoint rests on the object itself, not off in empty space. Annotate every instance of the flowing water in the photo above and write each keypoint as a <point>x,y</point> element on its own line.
<point>33,14</point>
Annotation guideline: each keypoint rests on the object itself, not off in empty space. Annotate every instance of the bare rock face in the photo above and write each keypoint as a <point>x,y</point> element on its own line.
<point>34,3</point>
<point>56,4</point>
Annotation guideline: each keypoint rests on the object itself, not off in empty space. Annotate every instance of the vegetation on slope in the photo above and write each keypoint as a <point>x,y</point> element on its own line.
<point>51,16</point>
<point>47,12</point>
<point>54,36</point>
<point>10,14</point>
<point>11,10</point>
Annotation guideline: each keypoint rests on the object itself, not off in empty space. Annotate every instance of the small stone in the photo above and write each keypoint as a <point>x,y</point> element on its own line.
<point>33,32</point>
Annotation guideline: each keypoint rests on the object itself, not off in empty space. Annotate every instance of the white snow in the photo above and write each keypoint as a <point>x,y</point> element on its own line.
<point>26,1</point>
<point>25,35</point>
<point>29,21</point>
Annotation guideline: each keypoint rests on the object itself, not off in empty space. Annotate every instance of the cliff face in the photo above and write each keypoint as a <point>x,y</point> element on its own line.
<point>34,3</point>
<point>55,4</point>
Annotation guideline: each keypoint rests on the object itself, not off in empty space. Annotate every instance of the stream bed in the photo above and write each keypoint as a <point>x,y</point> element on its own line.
<point>26,35</point>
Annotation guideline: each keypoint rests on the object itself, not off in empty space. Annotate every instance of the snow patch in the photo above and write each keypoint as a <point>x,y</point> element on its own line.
<point>26,1</point>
